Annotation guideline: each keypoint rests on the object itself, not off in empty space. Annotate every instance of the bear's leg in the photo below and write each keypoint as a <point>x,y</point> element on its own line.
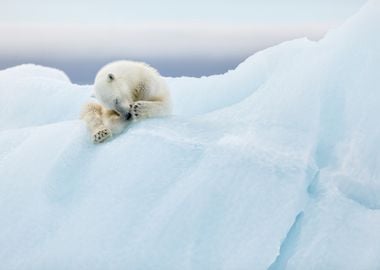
<point>92,114</point>
<point>144,109</point>
<point>114,121</point>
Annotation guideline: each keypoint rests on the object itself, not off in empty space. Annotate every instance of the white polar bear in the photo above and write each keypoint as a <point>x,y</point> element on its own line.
<point>127,91</point>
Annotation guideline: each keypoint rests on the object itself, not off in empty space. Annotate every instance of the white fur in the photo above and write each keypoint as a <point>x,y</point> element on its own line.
<point>125,89</point>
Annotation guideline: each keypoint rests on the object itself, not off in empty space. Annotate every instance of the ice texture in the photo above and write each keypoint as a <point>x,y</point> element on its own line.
<point>274,165</point>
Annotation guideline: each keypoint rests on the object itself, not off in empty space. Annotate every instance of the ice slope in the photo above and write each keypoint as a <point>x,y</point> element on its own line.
<point>274,165</point>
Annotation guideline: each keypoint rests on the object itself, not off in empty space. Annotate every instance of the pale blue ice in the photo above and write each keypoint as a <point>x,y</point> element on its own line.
<point>274,165</point>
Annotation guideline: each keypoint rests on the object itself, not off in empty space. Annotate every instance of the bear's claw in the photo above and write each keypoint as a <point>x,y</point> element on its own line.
<point>102,135</point>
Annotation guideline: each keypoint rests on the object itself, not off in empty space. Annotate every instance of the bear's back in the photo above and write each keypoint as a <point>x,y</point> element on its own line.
<point>133,72</point>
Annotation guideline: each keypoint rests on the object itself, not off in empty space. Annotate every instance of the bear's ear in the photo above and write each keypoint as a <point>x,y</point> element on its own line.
<point>110,77</point>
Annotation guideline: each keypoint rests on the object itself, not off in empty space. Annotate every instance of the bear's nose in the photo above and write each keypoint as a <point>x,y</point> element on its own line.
<point>128,115</point>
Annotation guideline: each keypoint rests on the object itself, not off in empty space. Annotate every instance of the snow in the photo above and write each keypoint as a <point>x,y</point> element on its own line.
<point>274,165</point>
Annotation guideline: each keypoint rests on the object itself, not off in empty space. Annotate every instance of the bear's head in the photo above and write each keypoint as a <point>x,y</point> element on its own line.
<point>112,91</point>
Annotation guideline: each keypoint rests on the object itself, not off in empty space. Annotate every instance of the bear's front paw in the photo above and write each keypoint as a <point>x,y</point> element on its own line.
<point>138,111</point>
<point>101,135</point>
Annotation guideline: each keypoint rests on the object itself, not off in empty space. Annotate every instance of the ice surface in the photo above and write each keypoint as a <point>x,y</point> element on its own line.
<point>274,165</point>
<point>33,95</point>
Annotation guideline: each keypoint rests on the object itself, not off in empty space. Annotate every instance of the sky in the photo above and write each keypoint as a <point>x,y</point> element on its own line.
<point>179,38</point>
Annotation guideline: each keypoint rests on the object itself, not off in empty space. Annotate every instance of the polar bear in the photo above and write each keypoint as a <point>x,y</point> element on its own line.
<point>127,91</point>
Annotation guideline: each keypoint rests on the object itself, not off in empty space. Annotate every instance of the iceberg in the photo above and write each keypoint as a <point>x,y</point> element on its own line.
<point>273,165</point>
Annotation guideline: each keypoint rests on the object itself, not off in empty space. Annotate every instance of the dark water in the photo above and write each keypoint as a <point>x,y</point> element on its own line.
<point>83,71</point>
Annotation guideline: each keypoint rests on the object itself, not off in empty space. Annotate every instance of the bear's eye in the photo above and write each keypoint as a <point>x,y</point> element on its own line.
<point>110,77</point>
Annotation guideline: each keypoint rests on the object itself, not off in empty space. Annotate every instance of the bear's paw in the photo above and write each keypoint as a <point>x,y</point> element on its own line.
<point>101,135</point>
<point>139,111</point>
